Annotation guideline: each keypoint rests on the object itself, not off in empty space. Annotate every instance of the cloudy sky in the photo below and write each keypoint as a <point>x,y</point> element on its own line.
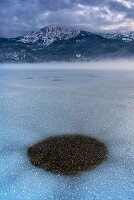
<point>17,17</point>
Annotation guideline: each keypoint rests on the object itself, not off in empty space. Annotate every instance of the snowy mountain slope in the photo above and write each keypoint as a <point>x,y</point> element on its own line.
<point>85,46</point>
<point>126,37</point>
<point>60,44</point>
<point>49,34</point>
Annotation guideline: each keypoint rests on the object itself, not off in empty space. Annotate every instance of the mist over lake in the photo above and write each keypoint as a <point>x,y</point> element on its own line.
<point>118,64</point>
<point>48,99</point>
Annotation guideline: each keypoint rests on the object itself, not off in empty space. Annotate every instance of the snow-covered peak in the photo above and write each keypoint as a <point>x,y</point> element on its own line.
<point>49,34</point>
<point>126,37</point>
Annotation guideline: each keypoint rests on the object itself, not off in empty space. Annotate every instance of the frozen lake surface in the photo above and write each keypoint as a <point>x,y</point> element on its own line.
<point>38,103</point>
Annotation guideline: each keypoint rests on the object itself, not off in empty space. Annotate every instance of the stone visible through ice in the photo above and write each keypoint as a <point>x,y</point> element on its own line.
<point>67,154</point>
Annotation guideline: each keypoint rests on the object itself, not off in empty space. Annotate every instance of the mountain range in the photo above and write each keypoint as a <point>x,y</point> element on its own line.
<point>53,43</point>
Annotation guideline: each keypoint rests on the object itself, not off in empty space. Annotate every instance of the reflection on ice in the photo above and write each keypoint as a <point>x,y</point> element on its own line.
<point>96,102</point>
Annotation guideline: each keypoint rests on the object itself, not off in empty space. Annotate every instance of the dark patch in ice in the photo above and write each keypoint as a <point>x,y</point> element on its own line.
<point>29,78</point>
<point>56,78</point>
<point>67,154</point>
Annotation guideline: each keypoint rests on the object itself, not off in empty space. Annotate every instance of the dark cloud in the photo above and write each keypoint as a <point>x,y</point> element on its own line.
<point>17,17</point>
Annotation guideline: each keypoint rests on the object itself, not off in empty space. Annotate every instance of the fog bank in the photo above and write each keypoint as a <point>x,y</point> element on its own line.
<point>108,65</point>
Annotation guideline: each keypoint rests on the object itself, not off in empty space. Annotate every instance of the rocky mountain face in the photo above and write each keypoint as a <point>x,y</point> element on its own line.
<point>53,43</point>
<point>48,35</point>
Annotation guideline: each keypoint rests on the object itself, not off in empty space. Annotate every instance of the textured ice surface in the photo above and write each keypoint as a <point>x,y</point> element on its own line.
<point>35,104</point>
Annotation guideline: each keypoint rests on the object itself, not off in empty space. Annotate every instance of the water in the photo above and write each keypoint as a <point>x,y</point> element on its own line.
<point>37,103</point>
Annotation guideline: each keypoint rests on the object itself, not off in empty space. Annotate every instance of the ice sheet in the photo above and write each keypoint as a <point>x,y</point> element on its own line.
<point>35,104</point>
